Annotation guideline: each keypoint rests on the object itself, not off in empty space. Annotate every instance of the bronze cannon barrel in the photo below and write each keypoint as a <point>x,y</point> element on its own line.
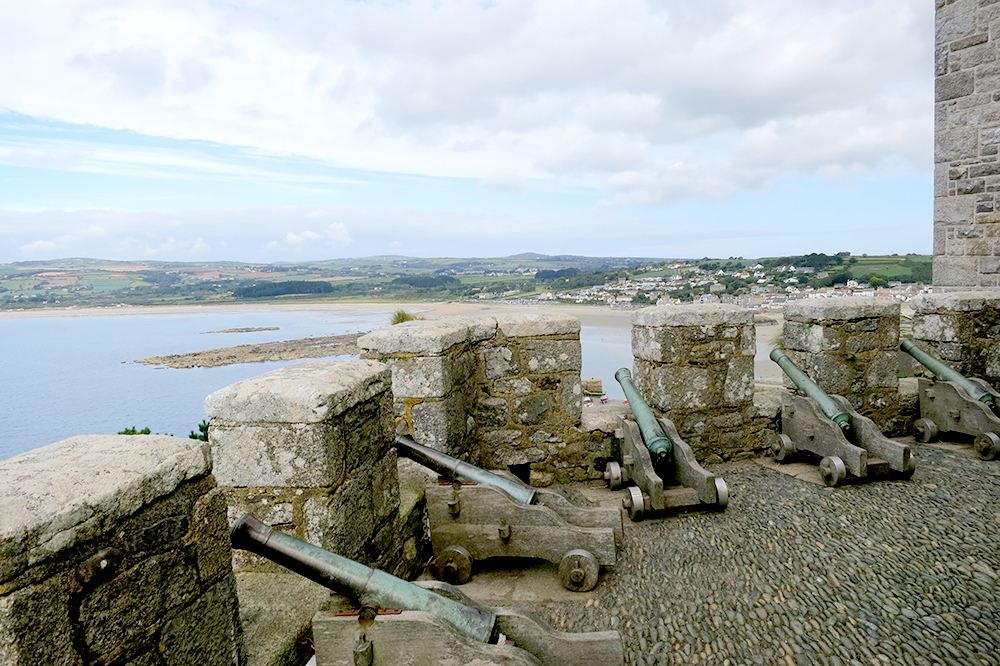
<point>353,579</point>
<point>945,372</point>
<point>656,441</point>
<point>456,470</point>
<point>812,389</point>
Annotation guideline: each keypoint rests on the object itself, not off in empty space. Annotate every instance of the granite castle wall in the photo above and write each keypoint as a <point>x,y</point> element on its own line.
<point>694,363</point>
<point>496,391</point>
<point>966,143</point>
<point>850,347</point>
<point>115,550</point>
<point>963,330</point>
<point>309,449</point>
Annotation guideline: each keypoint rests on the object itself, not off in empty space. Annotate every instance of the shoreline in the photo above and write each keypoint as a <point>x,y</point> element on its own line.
<point>593,315</point>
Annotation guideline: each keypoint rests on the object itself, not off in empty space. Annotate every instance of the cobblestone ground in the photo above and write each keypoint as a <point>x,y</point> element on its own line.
<point>891,572</point>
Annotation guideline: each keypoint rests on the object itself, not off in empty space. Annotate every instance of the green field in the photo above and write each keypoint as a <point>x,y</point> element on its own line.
<point>891,268</point>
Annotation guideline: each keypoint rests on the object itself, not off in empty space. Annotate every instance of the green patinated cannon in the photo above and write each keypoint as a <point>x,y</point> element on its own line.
<point>829,427</point>
<point>501,517</point>
<point>454,469</point>
<point>956,404</point>
<point>654,458</point>
<point>429,624</point>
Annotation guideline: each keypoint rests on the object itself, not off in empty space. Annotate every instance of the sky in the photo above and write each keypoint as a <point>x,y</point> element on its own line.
<point>260,131</point>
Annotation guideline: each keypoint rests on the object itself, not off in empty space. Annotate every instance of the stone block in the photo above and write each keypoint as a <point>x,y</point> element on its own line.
<point>989,264</point>
<point>537,325</point>
<point>954,21</point>
<point>748,340</point>
<point>940,328</point>
<point>385,488</point>
<point>59,496</point>
<point>811,337</point>
<point>429,376</point>
<point>440,424</point>
<point>491,413</point>
<point>111,619</point>
<point>499,362</point>
<point>738,387</point>
<point>417,337</point>
<point>209,532</point>
<point>864,341</point>
<point>308,392</point>
<point>955,144</point>
<point>343,522</point>
<point>670,388</point>
<point>692,315</point>
<point>571,398</point>
<point>952,86</point>
<point>956,301</point>
<point>814,310</point>
<point>516,386</point>
<point>501,448</point>
<point>208,632</point>
<point>366,430</point>
<point>955,271</point>
<point>661,345</point>
<point>277,454</point>
<point>480,327</point>
<point>544,356</point>
<point>955,210</point>
<point>881,370</point>
<point>767,405</point>
<point>833,373</point>
<point>35,625</point>
<point>532,409</point>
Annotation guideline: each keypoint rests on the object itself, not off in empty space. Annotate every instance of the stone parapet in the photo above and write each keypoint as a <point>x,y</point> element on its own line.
<point>497,391</point>
<point>850,347</point>
<point>115,549</point>
<point>309,450</point>
<point>962,329</point>
<point>694,363</point>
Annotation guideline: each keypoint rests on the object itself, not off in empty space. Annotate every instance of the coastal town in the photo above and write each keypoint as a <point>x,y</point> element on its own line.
<point>755,287</point>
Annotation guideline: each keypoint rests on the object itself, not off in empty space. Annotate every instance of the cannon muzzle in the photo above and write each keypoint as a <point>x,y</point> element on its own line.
<point>353,579</point>
<point>812,389</point>
<point>454,469</point>
<point>945,372</point>
<point>656,441</point>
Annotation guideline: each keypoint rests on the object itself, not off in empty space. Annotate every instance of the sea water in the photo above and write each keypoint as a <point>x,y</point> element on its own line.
<point>71,375</point>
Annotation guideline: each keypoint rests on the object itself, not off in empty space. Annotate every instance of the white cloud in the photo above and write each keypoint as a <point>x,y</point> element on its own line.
<point>39,249</point>
<point>503,182</point>
<point>742,92</point>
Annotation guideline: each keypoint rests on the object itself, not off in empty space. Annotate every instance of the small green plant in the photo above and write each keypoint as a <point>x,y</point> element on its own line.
<point>202,433</point>
<point>133,431</point>
<point>399,316</point>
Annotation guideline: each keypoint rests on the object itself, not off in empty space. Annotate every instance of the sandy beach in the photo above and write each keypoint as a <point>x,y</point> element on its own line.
<point>589,315</point>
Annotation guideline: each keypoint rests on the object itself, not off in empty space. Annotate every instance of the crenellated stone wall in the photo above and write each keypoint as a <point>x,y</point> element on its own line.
<point>962,329</point>
<point>497,391</point>
<point>694,363</point>
<point>309,450</point>
<point>115,550</point>
<point>850,347</point>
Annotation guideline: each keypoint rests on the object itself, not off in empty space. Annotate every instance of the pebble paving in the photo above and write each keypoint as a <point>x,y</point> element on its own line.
<point>890,572</point>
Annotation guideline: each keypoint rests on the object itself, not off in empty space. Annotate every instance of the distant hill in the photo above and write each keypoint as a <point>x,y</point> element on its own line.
<point>89,282</point>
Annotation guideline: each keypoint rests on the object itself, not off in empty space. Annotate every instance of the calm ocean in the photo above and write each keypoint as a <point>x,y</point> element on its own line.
<point>65,376</point>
